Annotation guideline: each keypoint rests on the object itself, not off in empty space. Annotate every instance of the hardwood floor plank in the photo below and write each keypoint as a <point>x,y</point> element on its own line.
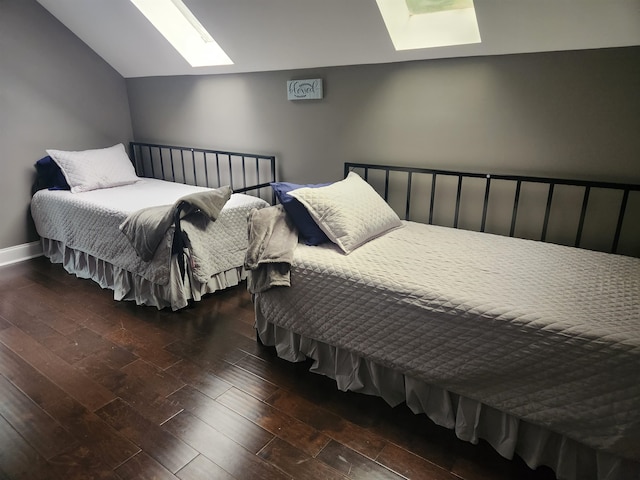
<point>277,371</point>
<point>246,381</point>
<point>98,323</point>
<point>115,358</point>
<point>245,329</point>
<point>95,435</point>
<point>201,468</point>
<point>18,460</point>
<point>40,305</point>
<point>481,462</point>
<point>362,410</point>
<point>210,355</point>
<point>35,385</point>
<point>419,435</point>
<point>180,325</point>
<point>94,298</point>
<point>242,431</point>
<point>354,465</point>
<point>81,463</point>
<point>351,435</point>
<point>33,327</point>
<point>43,279</point>
<point>14,276</point>
<point>85,317</point>
<point>137,392</point>
<point>143,348</point>
<point>221,450</point>
<point>411,466</point>
<point>65,376</point>
<point>162,382</point>
<point>155,441</point>
<point>198,378</point>
<point>143,467</point>
<point>300,435</point>
<point>246,343</point>
<point>81,344</point>
<point>227,312</point>
<point>41,431</point>
<point>144,322</point>
<point>296,463</point>
<point>237,302</point>
<point>54,271</point>
<point>103,371</point>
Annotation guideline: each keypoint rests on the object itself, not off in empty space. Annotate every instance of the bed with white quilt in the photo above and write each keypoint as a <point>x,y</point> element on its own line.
<point>531,346</point>
<point>157,242</point>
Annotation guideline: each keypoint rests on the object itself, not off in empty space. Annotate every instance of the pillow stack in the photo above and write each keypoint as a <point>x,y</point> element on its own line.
<point>93,169</point>
<point>308,229</point>
<point>349,213</point>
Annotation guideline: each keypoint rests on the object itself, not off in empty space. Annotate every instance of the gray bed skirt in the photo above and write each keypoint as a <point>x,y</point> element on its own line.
<point>128,286</point>
<point>470,419</point>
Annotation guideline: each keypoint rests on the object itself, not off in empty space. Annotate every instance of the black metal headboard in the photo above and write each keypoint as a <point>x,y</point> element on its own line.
<point>244,172</point>
<point>596,215</point>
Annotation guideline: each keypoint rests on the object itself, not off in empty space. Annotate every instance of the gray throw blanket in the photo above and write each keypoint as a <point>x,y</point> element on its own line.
<point>272,241</point>
<point>146,228</point>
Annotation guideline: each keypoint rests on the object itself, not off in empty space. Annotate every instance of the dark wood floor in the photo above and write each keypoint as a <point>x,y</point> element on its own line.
<point>93,388</point>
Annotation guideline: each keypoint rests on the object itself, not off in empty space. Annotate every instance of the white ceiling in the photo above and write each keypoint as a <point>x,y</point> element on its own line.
<point>263,35</point>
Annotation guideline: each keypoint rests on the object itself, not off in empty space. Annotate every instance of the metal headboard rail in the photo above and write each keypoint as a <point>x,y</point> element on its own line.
<point>203,167</point>
<point>624,188</point>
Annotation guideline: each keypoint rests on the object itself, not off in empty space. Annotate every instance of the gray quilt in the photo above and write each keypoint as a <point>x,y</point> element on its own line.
<point>146,228</point>
<point>272,241</point>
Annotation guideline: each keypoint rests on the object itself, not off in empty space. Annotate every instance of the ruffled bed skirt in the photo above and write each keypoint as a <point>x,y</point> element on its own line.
<point>470,419</point>
<point>129,286</point>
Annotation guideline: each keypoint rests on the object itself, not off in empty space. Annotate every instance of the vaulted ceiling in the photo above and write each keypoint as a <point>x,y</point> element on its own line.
<point>263,35</point>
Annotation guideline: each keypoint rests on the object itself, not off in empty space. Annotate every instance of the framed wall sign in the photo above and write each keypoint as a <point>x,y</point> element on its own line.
<point>310,89</point>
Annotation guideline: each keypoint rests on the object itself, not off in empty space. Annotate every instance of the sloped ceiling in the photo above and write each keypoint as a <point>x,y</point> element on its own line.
<point>263,35</point>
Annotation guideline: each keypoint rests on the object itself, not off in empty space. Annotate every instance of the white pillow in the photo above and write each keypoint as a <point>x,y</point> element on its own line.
<point>350,211</point>
<point>92,169</point>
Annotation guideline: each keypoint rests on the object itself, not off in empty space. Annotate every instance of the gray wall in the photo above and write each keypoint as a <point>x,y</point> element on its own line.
<point>574,114</point>
<point>55,92</point>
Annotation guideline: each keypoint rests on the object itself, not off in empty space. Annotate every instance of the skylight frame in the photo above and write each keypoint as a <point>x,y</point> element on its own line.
<point>180,27</point>
<point>437,29</point>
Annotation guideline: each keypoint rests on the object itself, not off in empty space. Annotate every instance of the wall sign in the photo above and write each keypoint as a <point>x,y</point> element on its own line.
<point>304,89</point>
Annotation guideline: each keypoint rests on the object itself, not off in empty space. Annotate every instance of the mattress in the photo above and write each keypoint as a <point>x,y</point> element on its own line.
<point>546,333</point>
<point>88,222</point>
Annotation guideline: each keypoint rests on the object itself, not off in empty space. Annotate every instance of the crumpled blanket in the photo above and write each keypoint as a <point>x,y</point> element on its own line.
<point>272,241</point>
<point>146,228</point>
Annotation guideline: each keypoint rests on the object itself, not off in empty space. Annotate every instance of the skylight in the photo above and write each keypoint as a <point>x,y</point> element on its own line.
<point>181,28</point>
<point>414,24</point>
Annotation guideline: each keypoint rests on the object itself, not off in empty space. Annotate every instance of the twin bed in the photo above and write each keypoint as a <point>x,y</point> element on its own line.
<point>532,346</point>
<point>80,217</point>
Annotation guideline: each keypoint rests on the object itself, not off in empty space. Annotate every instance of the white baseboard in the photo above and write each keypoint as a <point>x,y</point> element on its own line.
<point>19,253</point>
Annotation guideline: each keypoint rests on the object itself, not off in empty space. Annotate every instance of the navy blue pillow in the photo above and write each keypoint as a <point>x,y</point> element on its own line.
<point>49,175</point>
<point>307,228</point>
